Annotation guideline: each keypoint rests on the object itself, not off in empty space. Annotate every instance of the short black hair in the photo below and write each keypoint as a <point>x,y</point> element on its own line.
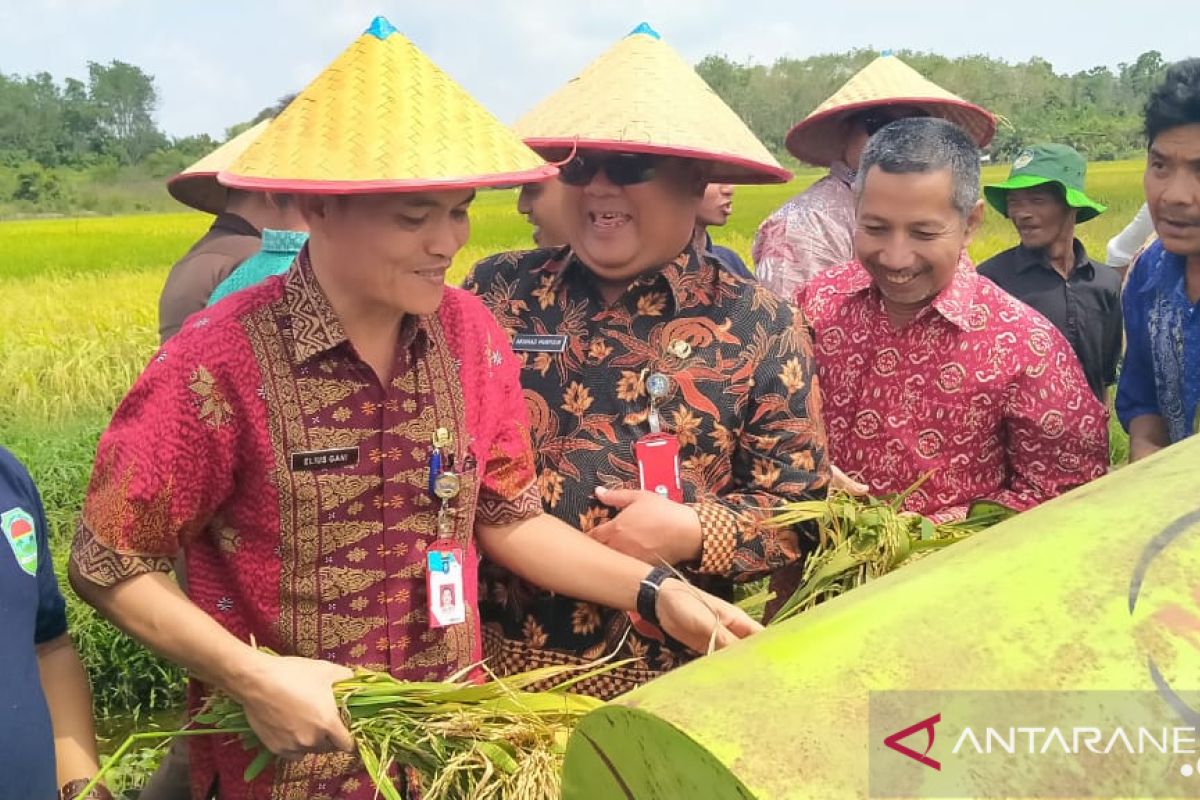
<point>1176,101</point>
<point>926,144</point>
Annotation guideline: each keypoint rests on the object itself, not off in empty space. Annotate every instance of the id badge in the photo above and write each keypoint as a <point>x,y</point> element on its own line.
<point>444,585</point>
<point>657,456</point>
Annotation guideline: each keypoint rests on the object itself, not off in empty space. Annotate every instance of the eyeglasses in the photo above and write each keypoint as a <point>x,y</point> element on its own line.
<point>623,169</point>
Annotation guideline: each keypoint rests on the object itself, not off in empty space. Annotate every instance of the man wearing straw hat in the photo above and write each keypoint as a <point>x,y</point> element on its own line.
<point>673,404</point>
<point>815,229</point>
<point>321,445</point>
<point>234,236</point>
<point>1050,270</point>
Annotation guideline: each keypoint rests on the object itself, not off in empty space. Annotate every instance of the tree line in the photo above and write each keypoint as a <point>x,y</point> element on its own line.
<point>105,126</point>
<point>1097,111</point>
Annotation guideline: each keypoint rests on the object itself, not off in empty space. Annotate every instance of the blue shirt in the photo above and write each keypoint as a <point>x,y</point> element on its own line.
<point>278,251</point>
<point>32,612</point>
<point>1161,374</point>
<point>728,258</point>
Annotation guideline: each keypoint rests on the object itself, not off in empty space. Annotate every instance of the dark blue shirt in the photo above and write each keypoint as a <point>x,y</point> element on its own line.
<point>728,258</point>
<point>1161,374</point>
<point>32,612</point>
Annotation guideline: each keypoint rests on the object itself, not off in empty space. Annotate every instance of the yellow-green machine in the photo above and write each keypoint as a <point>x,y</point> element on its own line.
<point>1098,590</point>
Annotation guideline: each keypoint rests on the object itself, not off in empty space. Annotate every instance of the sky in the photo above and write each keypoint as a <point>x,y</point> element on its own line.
<point>217,62</point>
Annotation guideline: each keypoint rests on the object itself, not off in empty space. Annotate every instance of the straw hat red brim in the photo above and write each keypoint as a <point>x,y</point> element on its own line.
<point>820,138</point>
<point>199,190</point>
<point>383,118</point>
<point>640,96</point>
<point>197,186</point>
<point>300,186</point>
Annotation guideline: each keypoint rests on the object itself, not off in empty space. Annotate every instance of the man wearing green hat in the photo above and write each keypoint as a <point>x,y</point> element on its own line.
<point>1050,269</point>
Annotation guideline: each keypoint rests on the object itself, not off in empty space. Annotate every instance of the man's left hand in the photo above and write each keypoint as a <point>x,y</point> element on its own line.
<point>649,527</point>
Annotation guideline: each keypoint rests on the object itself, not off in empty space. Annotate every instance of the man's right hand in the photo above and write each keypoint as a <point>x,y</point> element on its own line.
<point>289,703</point>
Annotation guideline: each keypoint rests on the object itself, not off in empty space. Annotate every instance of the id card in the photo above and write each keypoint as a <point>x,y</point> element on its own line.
<point>657,456</point>
<point>444,585</point>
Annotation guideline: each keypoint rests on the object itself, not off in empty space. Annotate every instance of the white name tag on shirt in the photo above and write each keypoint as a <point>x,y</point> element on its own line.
<point>539,343</point>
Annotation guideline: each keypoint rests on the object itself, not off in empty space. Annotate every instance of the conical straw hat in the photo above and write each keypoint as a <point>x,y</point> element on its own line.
<point>642,97</point>
<point>886,81</point>
<point>197,185</point>
<point>384,118</point>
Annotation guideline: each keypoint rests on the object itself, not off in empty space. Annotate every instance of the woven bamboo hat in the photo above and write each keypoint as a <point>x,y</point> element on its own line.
<point>886,81</point>
<point>384,118</point>
<point>197,185</point>
<point>641,97</point>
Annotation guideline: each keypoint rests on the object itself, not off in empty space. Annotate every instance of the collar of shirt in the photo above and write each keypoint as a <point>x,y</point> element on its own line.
<point>235,224</point>
<point>842,171</point>
<point>566,268</point>
<point>1028,258</point>
<point>274,241</point>
<point>953,303</point>
<point>316,328</point>
<point>1166,272</point>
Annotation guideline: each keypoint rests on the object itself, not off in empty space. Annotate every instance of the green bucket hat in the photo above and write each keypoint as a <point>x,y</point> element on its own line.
<point>1047,163</point>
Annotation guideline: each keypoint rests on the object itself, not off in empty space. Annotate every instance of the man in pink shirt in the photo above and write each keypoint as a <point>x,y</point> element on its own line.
<point>926,367</point>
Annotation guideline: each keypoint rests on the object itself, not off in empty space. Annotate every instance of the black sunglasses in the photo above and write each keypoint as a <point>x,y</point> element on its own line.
<point>872,121</point>
<point>623,169</point>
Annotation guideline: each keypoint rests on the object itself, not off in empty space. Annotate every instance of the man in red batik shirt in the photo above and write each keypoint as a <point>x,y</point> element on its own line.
<point>926,367</point>
<point>330,446</point>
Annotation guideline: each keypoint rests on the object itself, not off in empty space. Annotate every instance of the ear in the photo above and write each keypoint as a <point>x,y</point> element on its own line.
<point>314,207</point>
<point>974,220</point>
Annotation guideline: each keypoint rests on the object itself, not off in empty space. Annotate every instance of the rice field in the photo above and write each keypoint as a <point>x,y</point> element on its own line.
<point>82,296</point>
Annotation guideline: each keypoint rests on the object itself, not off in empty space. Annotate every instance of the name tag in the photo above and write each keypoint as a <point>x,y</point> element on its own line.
<point>444,583</point>
<point>539,343</point>
<point>324,459</point>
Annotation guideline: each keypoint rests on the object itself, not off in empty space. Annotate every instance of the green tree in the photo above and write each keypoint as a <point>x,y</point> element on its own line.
<point>124,98</point>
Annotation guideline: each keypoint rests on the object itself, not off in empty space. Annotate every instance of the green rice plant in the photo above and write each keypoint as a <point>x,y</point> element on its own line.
<point>465,741</point>
<point>863,538</point>
<point>77,345</point>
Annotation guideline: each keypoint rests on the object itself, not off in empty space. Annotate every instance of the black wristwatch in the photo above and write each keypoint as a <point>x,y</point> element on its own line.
<point>647,596</point>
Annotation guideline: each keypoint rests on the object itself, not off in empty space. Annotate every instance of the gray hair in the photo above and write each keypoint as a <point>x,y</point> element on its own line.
<point>921,145</point>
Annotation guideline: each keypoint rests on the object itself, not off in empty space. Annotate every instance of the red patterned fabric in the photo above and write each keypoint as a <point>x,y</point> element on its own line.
<point>979,389</point>
<point>325,563</point>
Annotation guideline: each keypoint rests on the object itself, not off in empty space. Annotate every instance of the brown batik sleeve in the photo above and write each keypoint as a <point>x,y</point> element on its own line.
<point>779,457</point>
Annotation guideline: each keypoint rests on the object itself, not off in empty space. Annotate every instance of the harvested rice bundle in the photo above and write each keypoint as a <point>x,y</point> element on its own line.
<point>862,538</point>
<point>463,740</point>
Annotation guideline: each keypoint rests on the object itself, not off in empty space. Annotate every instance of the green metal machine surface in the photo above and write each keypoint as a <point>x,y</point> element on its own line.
<point>1096,590</point>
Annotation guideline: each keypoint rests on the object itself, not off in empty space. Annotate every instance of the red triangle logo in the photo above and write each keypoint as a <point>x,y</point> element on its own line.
<point>926,725</point>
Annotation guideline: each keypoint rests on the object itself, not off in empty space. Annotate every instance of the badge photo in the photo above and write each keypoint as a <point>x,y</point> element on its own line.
<point>444,584</point>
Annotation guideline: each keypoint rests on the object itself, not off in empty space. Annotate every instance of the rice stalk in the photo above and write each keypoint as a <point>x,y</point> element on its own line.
<point>464,741</point>
<point>862,538</point>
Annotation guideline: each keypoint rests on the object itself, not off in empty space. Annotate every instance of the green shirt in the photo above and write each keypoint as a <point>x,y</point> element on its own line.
<point>278,251</point>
